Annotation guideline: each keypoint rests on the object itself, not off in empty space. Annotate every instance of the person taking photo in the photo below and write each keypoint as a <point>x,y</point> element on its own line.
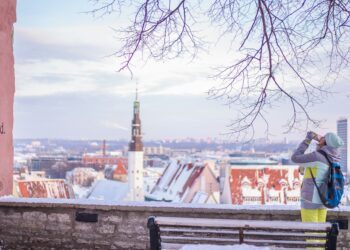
<point>316,164</point>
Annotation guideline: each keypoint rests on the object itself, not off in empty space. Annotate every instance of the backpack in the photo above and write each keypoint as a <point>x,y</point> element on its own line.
<point>335,184</point>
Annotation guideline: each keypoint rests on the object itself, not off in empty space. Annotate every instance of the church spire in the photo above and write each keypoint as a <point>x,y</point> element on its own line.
<point>137,92</point>
<point>136,137</point>
<point>135,156</point>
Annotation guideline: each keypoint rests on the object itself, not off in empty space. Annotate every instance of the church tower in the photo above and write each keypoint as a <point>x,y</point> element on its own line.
<point>135,157</point>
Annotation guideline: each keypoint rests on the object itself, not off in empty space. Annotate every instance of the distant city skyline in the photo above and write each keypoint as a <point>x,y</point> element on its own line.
<point>67,87</point>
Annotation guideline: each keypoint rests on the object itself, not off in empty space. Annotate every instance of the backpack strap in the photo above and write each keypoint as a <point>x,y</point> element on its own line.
<point>325,155</point>
<point>323,199</point>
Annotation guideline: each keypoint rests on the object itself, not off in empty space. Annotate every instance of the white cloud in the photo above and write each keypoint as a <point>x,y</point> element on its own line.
<point>113,125</point>
<point>34,77</point>
<point>78,53</point>
<point>92,35</point>
<point>53,77</point>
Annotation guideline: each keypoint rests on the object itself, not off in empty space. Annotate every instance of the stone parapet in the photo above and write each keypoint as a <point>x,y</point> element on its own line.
<point>52,223</point>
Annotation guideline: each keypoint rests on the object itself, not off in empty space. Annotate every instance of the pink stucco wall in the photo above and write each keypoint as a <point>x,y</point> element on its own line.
<point>7,90</point>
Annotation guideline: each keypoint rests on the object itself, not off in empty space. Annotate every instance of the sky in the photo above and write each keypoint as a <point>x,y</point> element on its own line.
<point>67,84</point>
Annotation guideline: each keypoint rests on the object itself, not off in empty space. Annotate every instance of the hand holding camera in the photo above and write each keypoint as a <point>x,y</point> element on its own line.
<point>312,136</point>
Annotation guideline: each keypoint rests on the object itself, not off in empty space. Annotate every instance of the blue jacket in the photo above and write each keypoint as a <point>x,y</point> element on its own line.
<point>318,164</point>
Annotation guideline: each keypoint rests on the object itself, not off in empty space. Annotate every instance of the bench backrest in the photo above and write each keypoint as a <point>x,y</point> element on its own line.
<point>175,232</point>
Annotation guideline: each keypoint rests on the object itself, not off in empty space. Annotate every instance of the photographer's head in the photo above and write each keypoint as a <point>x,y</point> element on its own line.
<point>331,140</point>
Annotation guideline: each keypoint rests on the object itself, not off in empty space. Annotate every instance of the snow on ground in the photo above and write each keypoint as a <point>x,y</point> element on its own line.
<point>7,197</point>
<point>213,247</point>
<point>153,204</point>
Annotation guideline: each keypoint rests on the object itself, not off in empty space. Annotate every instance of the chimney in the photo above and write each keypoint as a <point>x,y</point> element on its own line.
<point>104,148</point>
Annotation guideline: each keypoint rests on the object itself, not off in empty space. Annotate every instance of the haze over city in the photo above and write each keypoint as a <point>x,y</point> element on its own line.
<point>67,85</point>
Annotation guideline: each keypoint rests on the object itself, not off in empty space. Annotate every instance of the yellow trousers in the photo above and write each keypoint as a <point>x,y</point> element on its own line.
<point>314,215</point>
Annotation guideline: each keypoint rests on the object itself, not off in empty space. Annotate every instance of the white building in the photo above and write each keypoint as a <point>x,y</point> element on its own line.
<point>343,128</point>
<point>135,158</point>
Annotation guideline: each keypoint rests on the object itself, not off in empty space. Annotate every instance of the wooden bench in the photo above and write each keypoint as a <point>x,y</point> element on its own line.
<point>176,232</point>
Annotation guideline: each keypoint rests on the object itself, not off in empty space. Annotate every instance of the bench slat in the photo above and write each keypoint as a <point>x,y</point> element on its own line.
<point>192,240</point>
<point>179,231</point>
<point>220,241</point>
<point>172,246</point>
<point>246,229</point>
<point>285,235</point>
<point>234,233</point>
<point>197,230</point>
<point>222,223</point>
<point>285,242</point>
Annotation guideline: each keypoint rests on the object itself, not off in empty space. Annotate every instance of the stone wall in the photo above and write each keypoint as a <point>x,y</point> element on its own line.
<point>52,224</point>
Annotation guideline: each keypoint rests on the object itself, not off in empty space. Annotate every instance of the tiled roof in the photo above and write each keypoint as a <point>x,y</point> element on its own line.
<point>263,182</point>
<point>120,169</point>
<point>44,188</point>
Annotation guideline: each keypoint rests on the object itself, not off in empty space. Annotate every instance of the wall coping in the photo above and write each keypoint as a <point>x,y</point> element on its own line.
<point>159,206</point>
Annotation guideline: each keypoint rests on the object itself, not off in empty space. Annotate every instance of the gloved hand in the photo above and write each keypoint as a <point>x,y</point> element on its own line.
<point>311,135</point>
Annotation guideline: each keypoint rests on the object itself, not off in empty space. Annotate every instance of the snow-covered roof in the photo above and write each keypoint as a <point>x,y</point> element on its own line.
<point>169,172</point>
<point>109,190</point>
<point>177,177</point>
<point>252,161</point>
<point>200,197</point>
<point>43,188</point>
<point>244,181</point>
<point>120,169</point>
<point>257,166</point>
<point>80,192</point>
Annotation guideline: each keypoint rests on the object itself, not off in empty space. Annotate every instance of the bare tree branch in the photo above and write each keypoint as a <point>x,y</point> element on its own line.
<point>280,46</point>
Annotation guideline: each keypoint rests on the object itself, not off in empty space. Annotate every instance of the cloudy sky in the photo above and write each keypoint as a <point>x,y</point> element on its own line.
<point>67,85</point>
